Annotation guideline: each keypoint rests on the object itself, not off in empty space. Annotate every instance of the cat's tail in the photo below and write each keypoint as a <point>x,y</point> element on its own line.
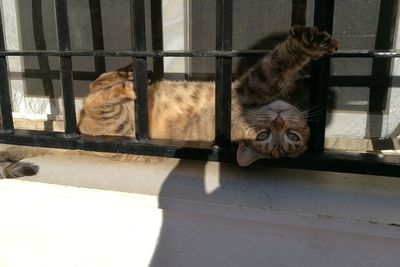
<point>9,169</point>
<point>11,165</point>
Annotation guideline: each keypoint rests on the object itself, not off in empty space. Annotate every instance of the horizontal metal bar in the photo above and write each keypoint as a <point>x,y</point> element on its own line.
<point>335,80</point>
<point>372,164</point>
<point>205,53</point>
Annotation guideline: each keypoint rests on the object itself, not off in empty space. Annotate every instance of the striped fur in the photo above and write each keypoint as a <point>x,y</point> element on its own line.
<point>277,76</point>
<point>109,108</point>
<point>10,169</point>
<point>185,110</point>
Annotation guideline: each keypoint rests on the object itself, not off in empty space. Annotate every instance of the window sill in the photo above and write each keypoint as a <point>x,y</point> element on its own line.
<point>113,213</point>
<point>315,197</point>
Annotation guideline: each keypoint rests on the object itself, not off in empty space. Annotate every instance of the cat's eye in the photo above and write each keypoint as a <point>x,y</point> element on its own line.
<point>292,136</point>
<point>262,136</point>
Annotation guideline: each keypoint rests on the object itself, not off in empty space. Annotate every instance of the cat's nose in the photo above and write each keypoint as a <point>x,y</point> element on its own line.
<point>334,46</point>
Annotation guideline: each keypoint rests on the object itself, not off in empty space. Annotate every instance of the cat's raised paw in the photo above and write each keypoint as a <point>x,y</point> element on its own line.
<point>313,42</point>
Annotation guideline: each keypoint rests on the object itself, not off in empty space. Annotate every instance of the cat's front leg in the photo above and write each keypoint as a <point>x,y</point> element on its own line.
<point>272,78</point>
<point>303,45</point>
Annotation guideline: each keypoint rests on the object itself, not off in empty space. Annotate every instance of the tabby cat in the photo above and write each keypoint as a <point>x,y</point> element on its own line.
<point>269,116</point>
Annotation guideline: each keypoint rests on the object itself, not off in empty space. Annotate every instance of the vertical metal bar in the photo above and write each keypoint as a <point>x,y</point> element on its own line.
<point>65,67</point>
<point>323,19</point>
<point>97,34</point>
<point>5,101</point>
<point>299,9</point>
<point>223,73</point>
<point>44,63</point>
<point>381,67</point>
<point>157,38</point>
<point>140,64</point>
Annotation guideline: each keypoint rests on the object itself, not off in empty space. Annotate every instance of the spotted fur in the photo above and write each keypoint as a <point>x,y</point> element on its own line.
<point>268,118</point>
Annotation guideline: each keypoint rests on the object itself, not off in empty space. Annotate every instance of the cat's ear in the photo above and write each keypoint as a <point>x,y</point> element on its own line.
<point>296,30</point>
<point>128,68</point>
<point>244,155</point>
<point>103,81</point>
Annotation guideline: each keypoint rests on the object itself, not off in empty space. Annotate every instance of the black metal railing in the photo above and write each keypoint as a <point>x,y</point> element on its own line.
<point>317,158</point>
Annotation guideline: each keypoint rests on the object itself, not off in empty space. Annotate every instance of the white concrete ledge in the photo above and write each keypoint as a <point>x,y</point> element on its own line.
<point>90,211</point>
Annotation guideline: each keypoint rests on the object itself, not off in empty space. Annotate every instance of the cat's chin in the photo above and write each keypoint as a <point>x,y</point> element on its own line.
<point>280,106</point>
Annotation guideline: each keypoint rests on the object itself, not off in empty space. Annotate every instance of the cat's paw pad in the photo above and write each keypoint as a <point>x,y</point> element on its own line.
<point>314,41</point>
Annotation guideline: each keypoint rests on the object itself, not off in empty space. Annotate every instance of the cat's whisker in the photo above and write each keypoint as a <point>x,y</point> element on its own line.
<point>319,111</point>
<point>312,110</point>
<point>291,117</point>
<point>262,116</point>
<point>314,120</point>
<point>262,119</point>
<point>312,117</point>
<point>247,109</point>
<point>315,114</point>
<point>265,116</point>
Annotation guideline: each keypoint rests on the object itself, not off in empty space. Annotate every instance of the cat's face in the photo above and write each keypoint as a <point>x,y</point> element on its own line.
<point>275,131</point>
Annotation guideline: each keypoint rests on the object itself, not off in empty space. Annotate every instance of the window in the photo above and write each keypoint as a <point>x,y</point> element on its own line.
<point>51,49</point>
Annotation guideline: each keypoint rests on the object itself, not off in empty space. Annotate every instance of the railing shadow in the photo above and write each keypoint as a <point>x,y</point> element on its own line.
<point>193,182</point>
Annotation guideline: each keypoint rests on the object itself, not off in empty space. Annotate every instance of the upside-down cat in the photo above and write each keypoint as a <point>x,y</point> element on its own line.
<point>269,103</point>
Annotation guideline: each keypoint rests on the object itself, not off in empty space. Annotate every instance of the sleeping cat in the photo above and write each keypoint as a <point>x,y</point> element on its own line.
<point>269,119</point>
